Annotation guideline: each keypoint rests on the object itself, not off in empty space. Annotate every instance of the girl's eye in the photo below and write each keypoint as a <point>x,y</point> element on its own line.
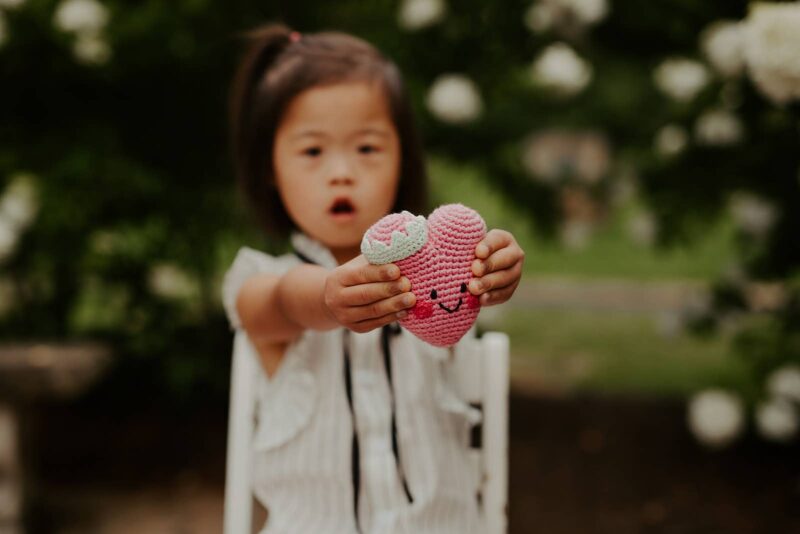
<point>367,149</point>
<point>313,151</point>
<point>433,294</point>
<point>463,287</point>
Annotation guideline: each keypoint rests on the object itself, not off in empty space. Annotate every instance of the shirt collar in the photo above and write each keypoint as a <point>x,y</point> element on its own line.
<point>313,250</point>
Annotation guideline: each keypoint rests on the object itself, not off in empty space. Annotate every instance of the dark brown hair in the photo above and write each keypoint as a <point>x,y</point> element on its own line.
<point>279,64</point>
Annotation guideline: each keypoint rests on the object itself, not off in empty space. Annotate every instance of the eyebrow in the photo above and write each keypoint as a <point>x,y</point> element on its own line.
<point>317,133</point>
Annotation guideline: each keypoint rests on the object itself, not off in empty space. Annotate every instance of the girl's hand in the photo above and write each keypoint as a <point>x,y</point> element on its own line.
<point>498,268</point>
<point>362,297</point>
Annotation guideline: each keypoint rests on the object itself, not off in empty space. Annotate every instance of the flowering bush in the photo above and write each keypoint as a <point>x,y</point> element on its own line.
<point>126,215</point>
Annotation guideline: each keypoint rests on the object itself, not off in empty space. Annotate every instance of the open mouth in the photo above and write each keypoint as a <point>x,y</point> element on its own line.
<point>448,310</point>
<point>342,206</point>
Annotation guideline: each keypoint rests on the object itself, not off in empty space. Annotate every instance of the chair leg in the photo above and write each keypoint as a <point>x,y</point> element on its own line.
<point>495,430</point>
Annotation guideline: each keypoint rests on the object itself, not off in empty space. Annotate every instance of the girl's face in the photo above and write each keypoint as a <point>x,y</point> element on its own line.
<point>337,163</point>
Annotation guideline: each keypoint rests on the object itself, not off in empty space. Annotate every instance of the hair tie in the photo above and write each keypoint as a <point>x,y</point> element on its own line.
<point>294,36</point>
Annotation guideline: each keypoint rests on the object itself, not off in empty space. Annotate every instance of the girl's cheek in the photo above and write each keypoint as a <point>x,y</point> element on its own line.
<point>422,310</point>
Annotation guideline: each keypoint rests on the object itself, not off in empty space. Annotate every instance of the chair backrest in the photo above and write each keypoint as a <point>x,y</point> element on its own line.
<point>481,376</point>
<point>241,424</point>
<point>482,379</point>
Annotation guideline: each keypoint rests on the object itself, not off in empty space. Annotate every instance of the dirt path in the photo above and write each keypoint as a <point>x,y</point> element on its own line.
<point>590,465</point>
<point>622,466</point>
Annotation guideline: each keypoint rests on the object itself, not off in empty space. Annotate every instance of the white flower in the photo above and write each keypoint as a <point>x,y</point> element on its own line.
<point>671,140</point>
<point>643,228</point>
<point>587,11</point>
<point>565,15</point>
<point>9,235</point>
<point>170,281</point>
<point>554,155</point>
<point>18,208</point>
<point>716,417</point>
<point>718,127</point>
<point>454,98</point>
<point>777,420</point>
<point>722,43</point>
<point>19,204</point>
<point>418,14</point>
<point>680,78</point>
<point>81,16</point>
<point>542,157</point>
<point>91,49</point>
<point>559,68</point>
<point>593,157</point>
<point>785,382</point>
<point>11,4</point>
<point>752,214</point>
<point>771,45</point>
<point>540,16</point>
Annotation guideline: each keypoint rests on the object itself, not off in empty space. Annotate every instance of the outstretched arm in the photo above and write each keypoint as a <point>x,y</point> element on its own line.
<point>275,309</point>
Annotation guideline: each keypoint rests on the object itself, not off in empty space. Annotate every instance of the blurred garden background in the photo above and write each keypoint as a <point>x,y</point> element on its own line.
<point>645,155</point>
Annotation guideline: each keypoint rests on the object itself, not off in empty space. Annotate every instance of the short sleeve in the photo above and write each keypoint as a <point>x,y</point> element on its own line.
<point>249,262</point>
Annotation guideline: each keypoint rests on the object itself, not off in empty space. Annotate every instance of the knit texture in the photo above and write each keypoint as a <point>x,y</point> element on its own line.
<point>438,262</point>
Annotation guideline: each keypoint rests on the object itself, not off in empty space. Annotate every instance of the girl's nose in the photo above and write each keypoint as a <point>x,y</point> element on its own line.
<point>341,172</point>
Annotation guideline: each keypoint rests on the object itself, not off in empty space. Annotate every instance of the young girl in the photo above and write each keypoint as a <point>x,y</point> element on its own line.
<point>358,430</point>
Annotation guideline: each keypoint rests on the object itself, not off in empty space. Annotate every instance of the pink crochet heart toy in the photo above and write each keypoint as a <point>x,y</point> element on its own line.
<point>436,255</point>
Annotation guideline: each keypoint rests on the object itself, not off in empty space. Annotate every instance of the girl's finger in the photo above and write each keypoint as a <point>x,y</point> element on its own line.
<point>496,280</point>
<point>502,259</point>
<point>497,296</point>
<point>384,307</point>
<point>362,294</point>
<point>359,271</point>
<point>493,241</point>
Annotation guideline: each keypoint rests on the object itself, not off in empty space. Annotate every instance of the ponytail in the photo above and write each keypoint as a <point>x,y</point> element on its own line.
<point>265,44</point>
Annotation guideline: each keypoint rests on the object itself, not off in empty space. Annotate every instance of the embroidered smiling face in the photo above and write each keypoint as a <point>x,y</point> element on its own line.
<point>436,256</point>
<point>424,308</point>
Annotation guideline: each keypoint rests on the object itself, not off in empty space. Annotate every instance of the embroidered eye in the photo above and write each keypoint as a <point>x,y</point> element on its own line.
<point>463,287</point>
<point>433,294</point>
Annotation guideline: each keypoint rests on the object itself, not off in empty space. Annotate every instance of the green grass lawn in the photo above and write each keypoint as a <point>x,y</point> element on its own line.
<point>615,352</point>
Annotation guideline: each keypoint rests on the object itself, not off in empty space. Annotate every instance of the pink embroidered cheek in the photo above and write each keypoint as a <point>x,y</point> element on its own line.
<point>422,310</point>
<point>473,302</point>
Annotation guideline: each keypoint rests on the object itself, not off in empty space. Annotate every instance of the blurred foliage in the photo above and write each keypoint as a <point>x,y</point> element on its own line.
<point>136,195</point>
<point>609,254</point>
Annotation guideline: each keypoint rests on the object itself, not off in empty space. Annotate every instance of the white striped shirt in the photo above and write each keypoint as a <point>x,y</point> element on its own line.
<point>303,442</point>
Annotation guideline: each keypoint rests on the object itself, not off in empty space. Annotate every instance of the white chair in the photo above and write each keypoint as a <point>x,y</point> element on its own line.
<point>481,378</point>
